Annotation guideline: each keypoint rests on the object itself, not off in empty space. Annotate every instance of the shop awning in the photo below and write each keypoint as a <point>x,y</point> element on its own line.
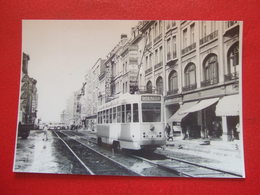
<point>177,117</point>
<point>228,106</point>
<point>201,105</point>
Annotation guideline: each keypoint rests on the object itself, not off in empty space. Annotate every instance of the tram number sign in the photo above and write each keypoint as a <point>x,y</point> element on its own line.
<point>151,98</point>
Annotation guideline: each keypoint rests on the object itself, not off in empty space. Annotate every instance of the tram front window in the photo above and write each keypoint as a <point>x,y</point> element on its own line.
<point>151,112</point>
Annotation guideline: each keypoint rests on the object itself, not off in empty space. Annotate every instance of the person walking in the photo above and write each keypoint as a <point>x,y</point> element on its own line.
<point>168,131</point>
<point>45,131</point>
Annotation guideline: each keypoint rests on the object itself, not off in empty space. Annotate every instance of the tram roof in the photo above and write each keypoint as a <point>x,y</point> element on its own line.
<point>124,99</point>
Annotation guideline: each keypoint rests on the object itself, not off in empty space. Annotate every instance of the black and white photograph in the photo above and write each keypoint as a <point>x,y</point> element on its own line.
<point>155,98</point>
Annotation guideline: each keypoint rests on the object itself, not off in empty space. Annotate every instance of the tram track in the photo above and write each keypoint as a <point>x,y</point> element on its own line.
<point>93,161</point>
<point>174,165</point>
<point>188,169</point>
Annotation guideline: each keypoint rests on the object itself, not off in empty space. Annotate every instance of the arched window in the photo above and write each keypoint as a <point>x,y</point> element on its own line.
<point>190,76</point>
<point>233,58</point>
<point>173,82</point>
<point>210,68</point>
<point>159,85</point>
<point>149,87</point>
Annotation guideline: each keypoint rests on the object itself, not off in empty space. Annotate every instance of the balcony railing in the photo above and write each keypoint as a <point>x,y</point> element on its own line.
<point>230,23</point>
<point>158,65</point>
<point>231,76</point>
<point>189,87</point>
<point>209,82</point>
<point>149,70</point>
<point>188,49</point>
<point>209,37</point>
<point>156,39</point>
<point>172,92</point>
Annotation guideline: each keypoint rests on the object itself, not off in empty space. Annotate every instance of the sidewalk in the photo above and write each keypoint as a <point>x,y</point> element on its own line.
<point>222,155</point>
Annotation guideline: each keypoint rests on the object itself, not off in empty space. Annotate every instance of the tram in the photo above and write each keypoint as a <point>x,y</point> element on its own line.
<point>132,121</point>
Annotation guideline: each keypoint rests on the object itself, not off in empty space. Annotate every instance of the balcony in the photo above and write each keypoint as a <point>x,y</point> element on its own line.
<point>188,49</point>
<point>189,87</point>
<point>230,23</point>
<point>231,76</point>
<point>231,28</point>
<point>172,92</point>
<point>171,59</point>
<point>209,37</point>
<point>102,75</point>
<point>148,71</point>
<point>209,82</point>
<point>159,65</point>
<point>158,38</point>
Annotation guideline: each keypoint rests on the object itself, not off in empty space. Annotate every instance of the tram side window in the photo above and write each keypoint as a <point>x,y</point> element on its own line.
<point>135,113</point>
<point>151,112</point>
<point>128,113</point>
<point>119,114</point>
<point>99,118</point>
<point>104,116</point>
<point>123,113</point>
<point>110,116</point>
<point>107,116</point>
<point>114,115</point>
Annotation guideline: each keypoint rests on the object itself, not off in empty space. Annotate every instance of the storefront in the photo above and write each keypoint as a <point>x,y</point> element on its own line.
<point>228,109</point>
<point>197,119</point>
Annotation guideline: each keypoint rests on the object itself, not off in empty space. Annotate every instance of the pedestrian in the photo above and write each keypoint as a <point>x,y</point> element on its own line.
<point>168,131</point>
<point>45,131</point>
<point>184,129</point>
<point>237,131</point>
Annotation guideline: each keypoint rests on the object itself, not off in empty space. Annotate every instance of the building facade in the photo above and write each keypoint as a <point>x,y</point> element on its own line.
<point>195,65</point>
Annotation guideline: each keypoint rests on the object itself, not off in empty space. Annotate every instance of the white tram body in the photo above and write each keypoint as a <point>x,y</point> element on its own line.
<point>132,122</point>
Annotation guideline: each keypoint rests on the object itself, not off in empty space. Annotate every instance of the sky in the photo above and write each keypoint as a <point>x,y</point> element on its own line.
<point>61,52</point>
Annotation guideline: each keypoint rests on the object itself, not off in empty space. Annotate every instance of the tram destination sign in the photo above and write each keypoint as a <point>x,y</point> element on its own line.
<point>150,98</point>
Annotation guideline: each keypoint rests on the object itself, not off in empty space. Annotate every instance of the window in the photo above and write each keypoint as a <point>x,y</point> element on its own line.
<point>203,29</point>
<point>135,113</point>
<point>213,26</point>
<point>192,33</point>
<point>114,115</point>
<point>173,81</point>
<point>149,36</point>
<point>160,55</point>
<point>149,87</point>
<point>233,58</point>
<point>146,62</point>
<point>151,112</point>
<point>107,116</point>
<point>156,29</point>
<point>156,56</point>
<point>160,27</point>
<point>150,60</point>
<point>168,46</point>
<point>128,113</point>
<point>174,53</point>
<point>190,74</point>
<point>110,115</point>
<point>104,116</point>
<point>185,38</point>
<point>123,114</point>
<point>119,114</point>
<point>159,85</point>
<point>211,69</point>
